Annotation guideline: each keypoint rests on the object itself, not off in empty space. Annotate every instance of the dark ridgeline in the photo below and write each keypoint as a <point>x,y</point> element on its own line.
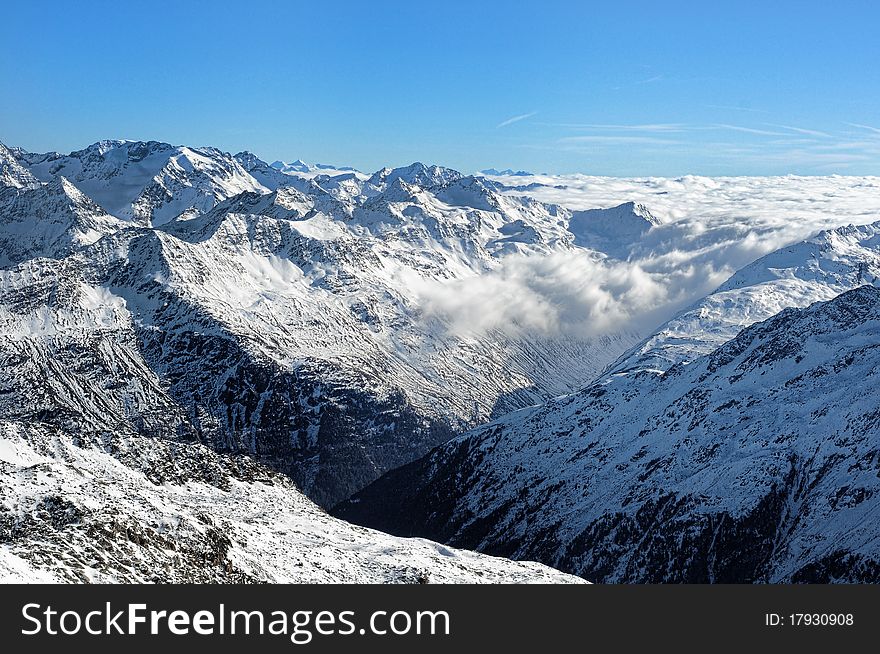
<point>756,463</point>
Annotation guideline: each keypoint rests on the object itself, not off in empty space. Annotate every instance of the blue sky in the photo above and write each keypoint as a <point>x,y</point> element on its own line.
<point>621,88</point>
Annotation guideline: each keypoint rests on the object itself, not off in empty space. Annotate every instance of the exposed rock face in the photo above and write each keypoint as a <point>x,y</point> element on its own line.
<point>755,463</point>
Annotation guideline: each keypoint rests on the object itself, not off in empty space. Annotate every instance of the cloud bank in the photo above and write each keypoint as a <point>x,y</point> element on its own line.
<point>711,228</point>
<point>567,293</point>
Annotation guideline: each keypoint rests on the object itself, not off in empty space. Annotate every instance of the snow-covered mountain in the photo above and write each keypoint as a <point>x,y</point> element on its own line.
<point>148,183</point>
<point>299,166</point>
<point>614,230</point>
<point>702,439</point>
<point>113,506</point>
<point>507,172</point>
<point>286,323</point>
<point>12,173</point>
<point>49,220</point>
<point>427,177</point>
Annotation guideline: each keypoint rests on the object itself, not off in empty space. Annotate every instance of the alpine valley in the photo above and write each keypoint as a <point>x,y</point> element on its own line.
<point>202,353</point>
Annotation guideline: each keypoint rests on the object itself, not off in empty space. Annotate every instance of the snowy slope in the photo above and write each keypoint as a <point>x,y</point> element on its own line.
<point>103,475</point>
<point>817,269</point>
<point>614,230</point>
<point>49,220</point>
<point>131,509</point>
<point>756,462</point>
<point>12,172</point>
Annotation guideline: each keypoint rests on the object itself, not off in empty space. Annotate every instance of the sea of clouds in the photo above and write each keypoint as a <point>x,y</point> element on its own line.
<point>710,228</point>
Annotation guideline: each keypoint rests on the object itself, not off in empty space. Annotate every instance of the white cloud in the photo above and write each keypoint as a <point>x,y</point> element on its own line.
<point>515,119</point>
<point>747,130</point>
<point>711,228</point>
<point>647,127</point>
<point>735,108</point>
<point>876,130</point>
<point>615,140</point>
<point>565,292</point>
<point>803,130</point>
<point>786,149</point>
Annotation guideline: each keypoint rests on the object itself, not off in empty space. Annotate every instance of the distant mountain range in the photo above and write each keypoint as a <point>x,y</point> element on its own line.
<point>507,172</point>
<point>300,166</point>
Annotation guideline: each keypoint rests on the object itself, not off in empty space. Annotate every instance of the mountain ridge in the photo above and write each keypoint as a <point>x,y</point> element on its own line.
<point>721,452</point>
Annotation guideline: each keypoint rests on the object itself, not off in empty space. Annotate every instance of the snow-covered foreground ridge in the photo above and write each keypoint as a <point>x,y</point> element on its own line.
<point>165,511</point>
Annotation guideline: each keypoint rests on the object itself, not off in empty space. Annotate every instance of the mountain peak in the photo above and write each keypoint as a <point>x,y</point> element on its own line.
<point>63,185</point>
<point>613,230</point>
<point>298,166</point>
<point>416,173</point>
<point>12,172</point>
<point>126,149</point>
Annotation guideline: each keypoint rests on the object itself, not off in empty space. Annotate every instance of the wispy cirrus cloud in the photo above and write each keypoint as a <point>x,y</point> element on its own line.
<point>515,119</point>
<point>652,79</point>
<point>778,147</point>
<point>876,130</point>
<point>683,127</point>
<point>725,107</point>
<point>803,130</point>
<point>646,127</point>
<point>615,139</point>
<point>747,130</point>
<point>850,145</point>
